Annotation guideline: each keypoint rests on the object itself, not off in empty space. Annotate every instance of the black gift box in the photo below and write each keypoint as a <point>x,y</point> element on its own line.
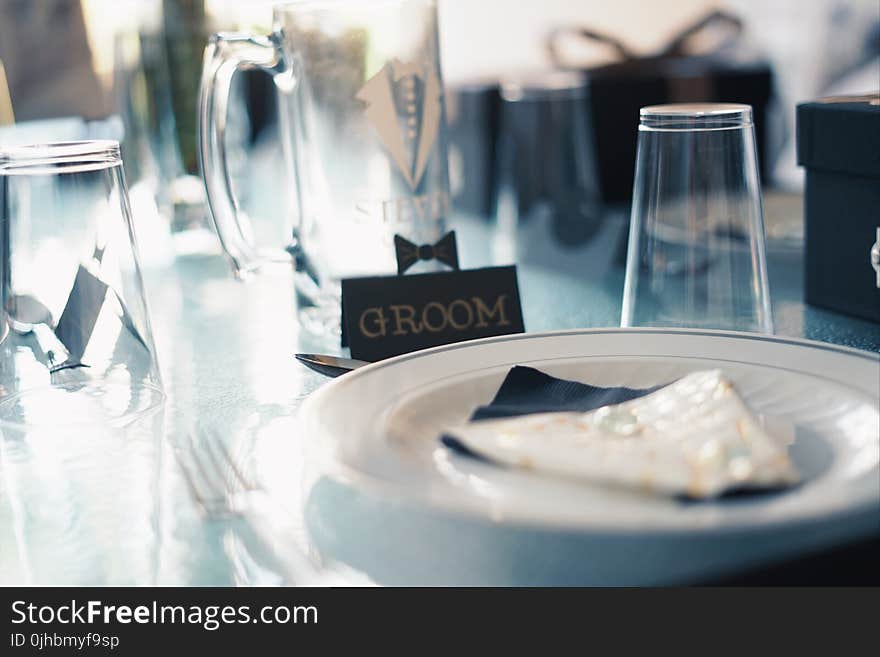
<point>472,111</point>
<point>618,91</point>
<point>838,142</point>
<point>544,163</point>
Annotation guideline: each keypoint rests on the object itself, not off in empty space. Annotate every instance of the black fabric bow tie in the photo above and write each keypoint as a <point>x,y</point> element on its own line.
<point>408,254</point>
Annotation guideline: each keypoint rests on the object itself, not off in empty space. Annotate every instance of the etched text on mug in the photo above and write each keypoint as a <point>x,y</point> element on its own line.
<point>405,210</point>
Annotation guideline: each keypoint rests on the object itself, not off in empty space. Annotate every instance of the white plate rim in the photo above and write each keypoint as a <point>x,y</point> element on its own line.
<point>394,493</point>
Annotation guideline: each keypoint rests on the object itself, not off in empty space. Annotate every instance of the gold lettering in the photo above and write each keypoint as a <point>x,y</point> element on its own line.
<point>427,324</point>
<point>381,321</point>
<point>400,319</point>
<point>460,303</point>
<point>483,312</point>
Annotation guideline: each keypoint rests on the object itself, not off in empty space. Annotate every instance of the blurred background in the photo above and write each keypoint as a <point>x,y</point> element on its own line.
<point>542,102</point>
<point>129,69</point>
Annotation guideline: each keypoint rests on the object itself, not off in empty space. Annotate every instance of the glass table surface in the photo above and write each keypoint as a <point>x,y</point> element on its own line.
<point>137,515</point>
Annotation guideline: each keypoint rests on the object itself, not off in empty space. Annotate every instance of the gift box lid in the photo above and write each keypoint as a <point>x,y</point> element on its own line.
<point>840,134</point>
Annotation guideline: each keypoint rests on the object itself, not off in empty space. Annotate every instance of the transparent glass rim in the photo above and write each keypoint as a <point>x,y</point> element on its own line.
<point>59,157</point>
<point>543,85</point>
<point>695,117</point>
<point>61,424</point>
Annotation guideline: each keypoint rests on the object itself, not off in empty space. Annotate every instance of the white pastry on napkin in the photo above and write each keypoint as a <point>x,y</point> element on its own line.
<point>694,437</point>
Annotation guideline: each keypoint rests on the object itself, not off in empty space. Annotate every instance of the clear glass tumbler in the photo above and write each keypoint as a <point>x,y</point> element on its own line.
<point>77,345</point>
<point>696,244</point>
<point>80,393</point>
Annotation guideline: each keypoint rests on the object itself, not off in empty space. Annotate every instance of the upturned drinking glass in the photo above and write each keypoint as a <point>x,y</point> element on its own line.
<point>77,345</point>
<point>696,244</point>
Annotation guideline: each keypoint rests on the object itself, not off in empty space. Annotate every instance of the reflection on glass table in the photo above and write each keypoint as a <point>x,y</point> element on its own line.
<point>226,350</point>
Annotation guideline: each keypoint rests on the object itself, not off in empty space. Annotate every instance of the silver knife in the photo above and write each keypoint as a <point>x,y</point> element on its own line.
<point>330,365</point>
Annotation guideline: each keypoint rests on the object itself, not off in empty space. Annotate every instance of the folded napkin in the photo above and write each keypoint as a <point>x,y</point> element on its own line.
<point>694,437</point>
<point>526,391</point>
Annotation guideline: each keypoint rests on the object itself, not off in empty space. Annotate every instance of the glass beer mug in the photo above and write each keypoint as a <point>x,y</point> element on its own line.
<point>362,121</point>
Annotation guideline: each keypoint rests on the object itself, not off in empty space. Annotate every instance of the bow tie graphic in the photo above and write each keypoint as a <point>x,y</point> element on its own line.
<point>408,254</point>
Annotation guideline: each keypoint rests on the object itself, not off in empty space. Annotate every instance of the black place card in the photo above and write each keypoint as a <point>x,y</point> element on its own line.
<point>385,316</point>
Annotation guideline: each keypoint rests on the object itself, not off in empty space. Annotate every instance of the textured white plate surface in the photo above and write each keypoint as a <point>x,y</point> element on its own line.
<point>376,430</point>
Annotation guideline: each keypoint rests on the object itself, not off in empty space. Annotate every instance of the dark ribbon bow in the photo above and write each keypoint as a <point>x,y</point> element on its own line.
<point>408,254</point>
<point>682,44</point>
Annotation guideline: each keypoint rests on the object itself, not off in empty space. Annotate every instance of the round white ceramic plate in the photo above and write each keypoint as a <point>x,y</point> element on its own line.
<point>376,430</point>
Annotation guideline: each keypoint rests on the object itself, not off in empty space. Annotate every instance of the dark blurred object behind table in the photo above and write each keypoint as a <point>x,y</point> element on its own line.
<point>546,170</point>
<point>838,143</point>
<point>73,64</point>
<point>157,73</point>
<point>472,110</point>
<point>708,61</point>
<point>157,68</point>
<point>45,50</point>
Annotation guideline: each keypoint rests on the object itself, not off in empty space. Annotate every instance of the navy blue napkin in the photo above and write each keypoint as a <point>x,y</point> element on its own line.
<point>526,390</point>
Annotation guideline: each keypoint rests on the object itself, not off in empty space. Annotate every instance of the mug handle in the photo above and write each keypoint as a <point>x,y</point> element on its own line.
<point>226,53</point>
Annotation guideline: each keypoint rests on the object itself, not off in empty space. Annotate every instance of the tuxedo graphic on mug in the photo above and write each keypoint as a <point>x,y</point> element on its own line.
<point>403,104</point>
